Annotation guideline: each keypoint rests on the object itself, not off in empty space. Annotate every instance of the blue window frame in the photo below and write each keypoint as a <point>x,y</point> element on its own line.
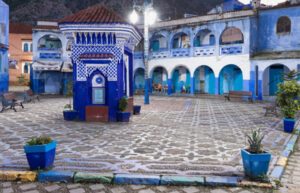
<point>25,47</point>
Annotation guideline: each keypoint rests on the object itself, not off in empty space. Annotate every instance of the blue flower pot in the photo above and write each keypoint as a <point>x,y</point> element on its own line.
<point>70,115</point>
<point>288,125</point>
<point>136,109</point>
<point>123,116</point>
<point>40,156</point>
<point>255,165</point>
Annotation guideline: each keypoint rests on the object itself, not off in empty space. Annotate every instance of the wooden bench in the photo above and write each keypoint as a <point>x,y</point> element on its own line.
<point>10,101</point>
<point>271,109</point>
<point>238,94</point>
<point>29,96</point>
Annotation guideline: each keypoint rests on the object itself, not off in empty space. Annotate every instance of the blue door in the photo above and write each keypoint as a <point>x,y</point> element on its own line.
<point>275,77</point>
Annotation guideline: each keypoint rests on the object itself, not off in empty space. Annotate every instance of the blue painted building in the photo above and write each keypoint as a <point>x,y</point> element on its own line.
<point>234,47</point>
<point>52,66</point>
<point>4,37</point>
<point>102,58</point>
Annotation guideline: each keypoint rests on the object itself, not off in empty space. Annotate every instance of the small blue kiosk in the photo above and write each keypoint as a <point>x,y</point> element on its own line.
<point>102,57</point>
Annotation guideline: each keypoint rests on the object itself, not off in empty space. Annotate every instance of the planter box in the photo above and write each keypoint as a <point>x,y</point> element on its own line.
<point>40,156</point>
<point>123,116</point>
<point>136,109</point>
<point>288,125</point>
<point>70,115</point>
<point>255,165</point>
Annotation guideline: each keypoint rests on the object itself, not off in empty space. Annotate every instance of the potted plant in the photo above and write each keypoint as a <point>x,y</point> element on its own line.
<point>69,113</point>
<point>255,160</point>
<point>137,109</point>
<point>123,116</point>
<point>287,100</point>
<point>40,152</point>
<point>289,111</point>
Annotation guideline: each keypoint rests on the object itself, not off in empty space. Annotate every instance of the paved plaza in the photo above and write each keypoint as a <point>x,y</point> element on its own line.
<point>8,187</point>
<point>172,136</point>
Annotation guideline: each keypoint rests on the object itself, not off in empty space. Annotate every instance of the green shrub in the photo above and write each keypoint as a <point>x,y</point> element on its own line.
<point>42,140</point>
<point>287,98</point>
<point>123,103</point>
<point>255,140</point>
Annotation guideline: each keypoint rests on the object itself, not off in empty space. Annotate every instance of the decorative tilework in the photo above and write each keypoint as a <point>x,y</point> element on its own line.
<point>109,70</point>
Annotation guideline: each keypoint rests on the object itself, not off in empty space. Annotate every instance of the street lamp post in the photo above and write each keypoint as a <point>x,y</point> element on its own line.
<point>149,19</point>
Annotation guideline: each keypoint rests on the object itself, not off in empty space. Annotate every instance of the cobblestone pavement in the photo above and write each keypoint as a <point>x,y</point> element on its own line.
<point>171,136</point>
<point>291,178</point>
<point>8,187</point>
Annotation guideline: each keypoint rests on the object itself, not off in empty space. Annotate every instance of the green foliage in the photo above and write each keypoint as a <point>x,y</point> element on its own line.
<point>68,106</point>
<point>69,91</point>
<point>42,140</point>
<point>255,140</point>
<point>292,75</point>
<point>123,103</point>
<point>287,95</point>
<point>22,80</point>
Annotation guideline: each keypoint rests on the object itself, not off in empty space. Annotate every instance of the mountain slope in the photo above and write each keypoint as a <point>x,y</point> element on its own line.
<point>28,11</point>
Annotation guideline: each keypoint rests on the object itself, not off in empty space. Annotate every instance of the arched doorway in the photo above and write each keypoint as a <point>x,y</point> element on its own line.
<point>204,80</point>
<point>231,78</point>
<point>159,79</point>
<point>272,76</point>
<point>139,79</point>
<point>181,80</point>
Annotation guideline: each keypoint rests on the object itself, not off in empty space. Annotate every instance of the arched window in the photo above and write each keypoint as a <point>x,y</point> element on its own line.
<point>49,42</point>
<point>284,25</point>
<point>26,67</point>
<point>232,35</point>
<point>158,42</point>
<point>204,38</point>
<point>181,40</point>
<point>25,47</point>
<point>69,44</point>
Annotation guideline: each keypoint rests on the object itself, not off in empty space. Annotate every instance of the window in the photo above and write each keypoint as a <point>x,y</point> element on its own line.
<point>232,35</point>
<point>26,68</point>
<point>98,91</point>
<point>283,25</point>
<point>27,46</point>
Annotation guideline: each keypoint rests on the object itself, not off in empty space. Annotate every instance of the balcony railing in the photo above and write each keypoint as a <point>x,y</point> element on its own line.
<point>204,51</point>
<point>162,53</point>
<point>231,49</point>
<point>180,52</point>
<point>139,55</point>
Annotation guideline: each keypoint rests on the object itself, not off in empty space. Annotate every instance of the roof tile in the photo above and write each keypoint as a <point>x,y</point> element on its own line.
<point>95,14</point>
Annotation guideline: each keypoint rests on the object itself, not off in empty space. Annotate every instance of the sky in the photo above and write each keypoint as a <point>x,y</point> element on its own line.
<point>267,2</point>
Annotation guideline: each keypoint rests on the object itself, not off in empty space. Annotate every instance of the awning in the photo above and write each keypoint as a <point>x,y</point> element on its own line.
<point>47,66</point>
<point>67,67</point>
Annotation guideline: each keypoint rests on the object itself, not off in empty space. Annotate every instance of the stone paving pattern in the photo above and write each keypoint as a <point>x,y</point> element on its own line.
<point>171,136</point>
<point>8,187</point>
<point>291,178</point>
